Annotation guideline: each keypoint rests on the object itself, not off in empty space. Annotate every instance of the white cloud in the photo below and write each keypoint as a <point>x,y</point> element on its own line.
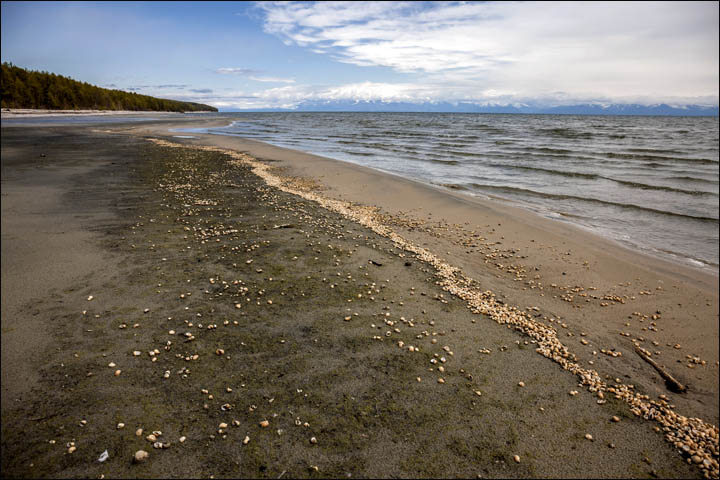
<point>521,51</point>
<point>235,71</point>
<point>272,79</point>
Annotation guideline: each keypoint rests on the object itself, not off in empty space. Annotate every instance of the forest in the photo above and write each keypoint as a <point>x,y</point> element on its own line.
<point>21,88</point>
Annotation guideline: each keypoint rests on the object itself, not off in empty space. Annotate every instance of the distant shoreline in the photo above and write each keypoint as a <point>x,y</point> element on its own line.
<point>23,112</point>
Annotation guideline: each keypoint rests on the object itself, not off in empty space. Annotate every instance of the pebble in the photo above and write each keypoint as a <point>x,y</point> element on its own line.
<point>313,440</point>
<point>246,440</point>
<point>516,458</point>
<point>120,425</point>
<point>588,436</point>
<point>521,384</point>
<point>264,424</point>
<point>72,449</point>
<point>151,438</point>
<point>139,432</point>
<point>615,418</point>
<point>182,439</point>
<point>141,456</point>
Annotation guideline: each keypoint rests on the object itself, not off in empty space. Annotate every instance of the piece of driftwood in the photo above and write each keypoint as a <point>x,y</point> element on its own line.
<point>671,383</point>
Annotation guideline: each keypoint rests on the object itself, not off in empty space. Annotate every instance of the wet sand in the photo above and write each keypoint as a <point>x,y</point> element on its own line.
<point>140,226</point>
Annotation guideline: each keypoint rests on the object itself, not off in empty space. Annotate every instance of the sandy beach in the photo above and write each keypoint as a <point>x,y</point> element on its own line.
<point>202,291</point>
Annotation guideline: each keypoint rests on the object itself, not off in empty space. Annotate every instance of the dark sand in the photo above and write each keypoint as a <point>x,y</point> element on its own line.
<point>139,226</point>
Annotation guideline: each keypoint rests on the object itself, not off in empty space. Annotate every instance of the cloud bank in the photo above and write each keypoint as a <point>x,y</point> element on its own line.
<point>501,53</point>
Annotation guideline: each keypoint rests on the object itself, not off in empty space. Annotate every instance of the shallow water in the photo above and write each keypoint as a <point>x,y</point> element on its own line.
<point>648,182</point>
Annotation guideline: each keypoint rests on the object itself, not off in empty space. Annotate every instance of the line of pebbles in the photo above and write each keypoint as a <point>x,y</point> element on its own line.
<point>697,440</point>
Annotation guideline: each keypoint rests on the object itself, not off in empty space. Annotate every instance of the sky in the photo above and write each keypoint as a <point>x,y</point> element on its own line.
<point>252,55</point>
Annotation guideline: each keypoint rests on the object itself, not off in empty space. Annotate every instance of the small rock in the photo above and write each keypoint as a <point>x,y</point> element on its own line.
<point>141,456</point>
<point>264,424</point>
<point>246,440</point>
<point>516,458</point>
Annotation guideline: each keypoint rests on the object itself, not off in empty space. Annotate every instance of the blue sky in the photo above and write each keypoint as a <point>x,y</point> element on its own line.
<point>279,54</point>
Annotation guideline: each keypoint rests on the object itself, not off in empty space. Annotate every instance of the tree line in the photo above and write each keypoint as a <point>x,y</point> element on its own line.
<point>21,88</point>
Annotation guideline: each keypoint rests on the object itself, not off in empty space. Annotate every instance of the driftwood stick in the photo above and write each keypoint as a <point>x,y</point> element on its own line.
<point>671,383</point>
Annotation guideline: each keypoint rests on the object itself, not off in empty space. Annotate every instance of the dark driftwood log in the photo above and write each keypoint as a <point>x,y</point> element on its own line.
<point>671,383</point>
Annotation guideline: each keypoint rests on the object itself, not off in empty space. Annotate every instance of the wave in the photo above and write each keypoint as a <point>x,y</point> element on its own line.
<point>693,179</point>
<point>594,176</point>
<point>453,186</point>
<point>653,150</point>
<point>656,158</point>
<point>444,162</point>
<point>547,150</point>
<point>564,133</point>
<point>626,206</point>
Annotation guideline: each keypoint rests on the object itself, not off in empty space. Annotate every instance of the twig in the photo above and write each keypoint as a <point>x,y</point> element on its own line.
<point>671,383</point>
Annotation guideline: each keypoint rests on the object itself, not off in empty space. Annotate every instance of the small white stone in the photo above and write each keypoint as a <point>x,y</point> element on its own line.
<point>141,456</point>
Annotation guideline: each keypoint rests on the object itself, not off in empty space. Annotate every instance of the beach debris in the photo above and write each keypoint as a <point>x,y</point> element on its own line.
<point>140,456</point>
<point>103,456</point>
<point>670,381</point>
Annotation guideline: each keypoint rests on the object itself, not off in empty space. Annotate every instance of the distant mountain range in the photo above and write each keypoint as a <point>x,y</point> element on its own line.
<point>583,109</point>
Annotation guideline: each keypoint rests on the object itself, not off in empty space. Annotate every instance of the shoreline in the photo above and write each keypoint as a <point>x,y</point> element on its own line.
<point>9,113</point>
<point>357,385</point>
<point>303,163</point>
<point>668,257</point>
